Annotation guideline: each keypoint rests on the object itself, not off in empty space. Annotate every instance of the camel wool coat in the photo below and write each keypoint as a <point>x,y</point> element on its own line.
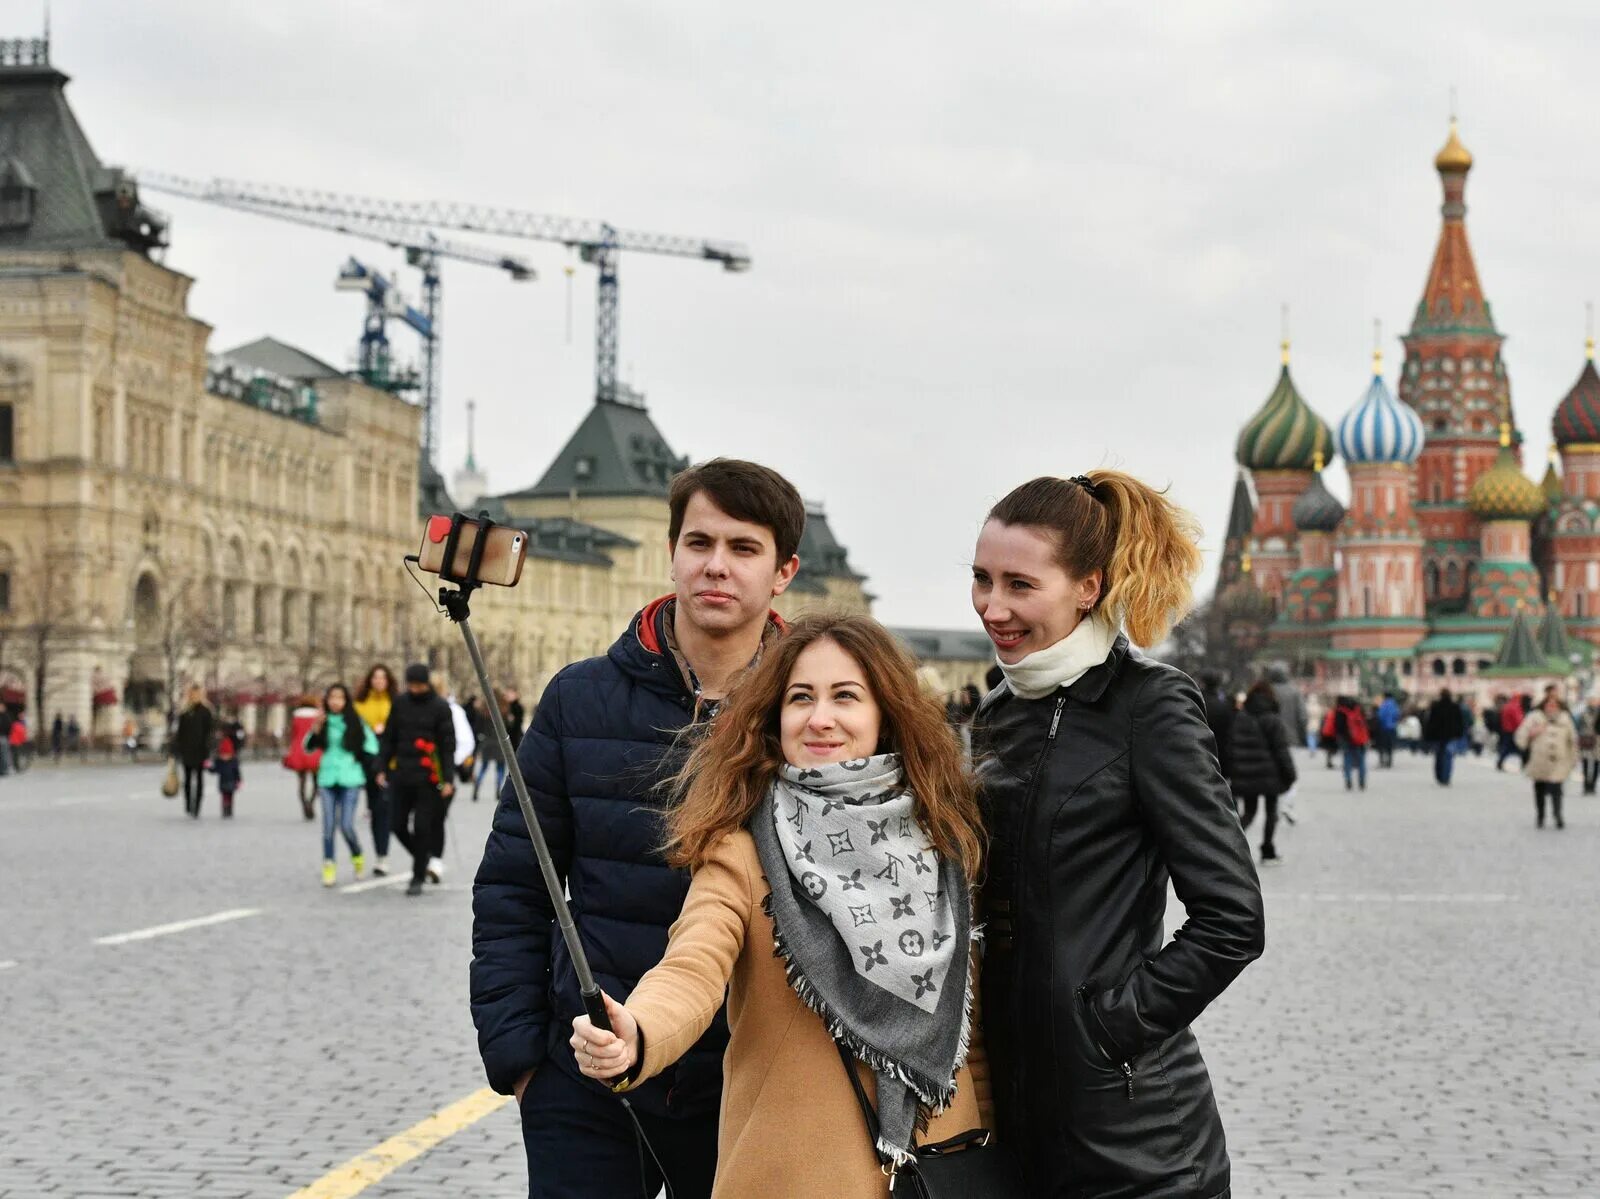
<point>790,1124</point>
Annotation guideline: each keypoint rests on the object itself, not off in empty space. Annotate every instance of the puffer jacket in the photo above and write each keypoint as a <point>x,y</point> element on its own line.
<point>419,742</point>
<point>340,765</point>
<point>1552,747</point>
<point>1095,796</point>
<point>602,739</point>
<point>1262,764</point>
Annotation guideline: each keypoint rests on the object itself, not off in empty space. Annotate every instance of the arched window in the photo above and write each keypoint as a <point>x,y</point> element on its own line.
<point>1430,580</point>
<point>1438,668</point>
<point>1452,578</point>
<point>1458,666</point>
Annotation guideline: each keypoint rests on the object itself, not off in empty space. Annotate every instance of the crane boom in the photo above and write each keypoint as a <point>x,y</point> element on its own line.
<point>471,218</point>
<point>598,242</point>
<point>423,249</point>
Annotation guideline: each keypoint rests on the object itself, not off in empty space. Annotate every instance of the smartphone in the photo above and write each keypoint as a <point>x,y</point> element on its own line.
<point>504,551</point>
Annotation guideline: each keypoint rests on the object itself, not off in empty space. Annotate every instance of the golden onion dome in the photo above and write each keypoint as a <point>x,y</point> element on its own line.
<point>1454,156</point>
<point>1503,492</point>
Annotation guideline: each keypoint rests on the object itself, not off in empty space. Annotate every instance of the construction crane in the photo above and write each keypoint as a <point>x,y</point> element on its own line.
<point>423,249</point>
<point>383,301</point>
<point>597,242</point>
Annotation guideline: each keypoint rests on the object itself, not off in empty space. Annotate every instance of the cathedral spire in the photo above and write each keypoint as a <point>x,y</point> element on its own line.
<point>1452,299</point>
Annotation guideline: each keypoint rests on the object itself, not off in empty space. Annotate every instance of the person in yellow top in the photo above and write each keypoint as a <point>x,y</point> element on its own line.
<point>373,700</point>
<point>827,812</point>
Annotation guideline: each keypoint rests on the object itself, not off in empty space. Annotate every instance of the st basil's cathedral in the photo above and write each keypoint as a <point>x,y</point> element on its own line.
<point>1449,566</point>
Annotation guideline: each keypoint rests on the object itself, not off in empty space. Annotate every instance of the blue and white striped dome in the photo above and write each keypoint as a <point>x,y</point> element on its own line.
<point>1379,428</point>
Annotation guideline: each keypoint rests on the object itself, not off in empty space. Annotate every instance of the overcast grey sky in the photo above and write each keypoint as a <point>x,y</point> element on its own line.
<point>991,240</point>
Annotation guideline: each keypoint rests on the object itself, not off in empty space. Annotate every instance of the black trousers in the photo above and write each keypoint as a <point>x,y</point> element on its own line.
<point>1552,791</point>
<point>1251,804</point>
<point>194,788</point>
<point>378,809</point>
<point>417,813</point>
<point>581,1144</point>
<point>1591,775</point>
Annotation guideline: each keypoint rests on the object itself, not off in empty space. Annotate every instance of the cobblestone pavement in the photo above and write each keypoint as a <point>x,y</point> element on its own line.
<point>1424,1021</point>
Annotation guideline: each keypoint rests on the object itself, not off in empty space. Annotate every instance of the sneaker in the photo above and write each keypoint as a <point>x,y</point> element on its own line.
<point>1270,854</point>
<point>328,874</point>
<point>435,870</point>
<point>360,863</point>
<point>415,887</point>
<point>380,868</point>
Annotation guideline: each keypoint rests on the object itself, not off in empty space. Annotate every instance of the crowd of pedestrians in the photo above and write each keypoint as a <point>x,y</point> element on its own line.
<point>405,751</point>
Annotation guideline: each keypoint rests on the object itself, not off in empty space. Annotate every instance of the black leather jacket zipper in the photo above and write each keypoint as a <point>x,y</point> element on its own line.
<point>1016,861</point>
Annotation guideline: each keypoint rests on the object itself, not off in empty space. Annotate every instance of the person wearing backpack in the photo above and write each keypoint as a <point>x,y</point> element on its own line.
<point>1351,733</point>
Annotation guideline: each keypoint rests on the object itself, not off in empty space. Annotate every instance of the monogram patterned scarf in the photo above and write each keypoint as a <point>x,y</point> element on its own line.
<point>875,929</point>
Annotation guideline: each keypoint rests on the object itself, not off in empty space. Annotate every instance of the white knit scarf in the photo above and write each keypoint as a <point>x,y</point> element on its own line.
<point>1065,662</point>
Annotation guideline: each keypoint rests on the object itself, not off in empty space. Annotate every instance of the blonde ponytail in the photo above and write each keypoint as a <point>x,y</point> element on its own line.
<point>1149,580</point>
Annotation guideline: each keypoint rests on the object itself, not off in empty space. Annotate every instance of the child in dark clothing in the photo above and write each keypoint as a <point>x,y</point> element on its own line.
<point>226,765</point>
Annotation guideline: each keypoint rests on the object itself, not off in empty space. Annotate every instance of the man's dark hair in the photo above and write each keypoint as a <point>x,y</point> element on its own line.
<point>745,491</point>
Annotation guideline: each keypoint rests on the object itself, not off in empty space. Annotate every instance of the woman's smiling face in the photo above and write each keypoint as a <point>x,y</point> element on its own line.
<point>829,714</point>
<point>1024,597</point>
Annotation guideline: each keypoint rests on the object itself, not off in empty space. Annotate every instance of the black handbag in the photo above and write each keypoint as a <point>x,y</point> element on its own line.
<point>967,1166</point>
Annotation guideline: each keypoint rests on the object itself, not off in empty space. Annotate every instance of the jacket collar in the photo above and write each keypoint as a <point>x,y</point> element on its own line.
<point>642,650</point>
<point>1095,680</point>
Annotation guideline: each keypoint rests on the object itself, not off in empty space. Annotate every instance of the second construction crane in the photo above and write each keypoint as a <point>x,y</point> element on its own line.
<point>597,242</point>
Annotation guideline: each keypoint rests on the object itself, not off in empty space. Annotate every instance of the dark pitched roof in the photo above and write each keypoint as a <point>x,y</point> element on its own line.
<point>1242,515</point>
<point>432,494</point>
<point>946,644</point>
<point>1520,650</point>
<point>617,450</point>
<point>280,358</point>
<point>1553,637</point>
<point>821,555</point>
<point>58,195</point>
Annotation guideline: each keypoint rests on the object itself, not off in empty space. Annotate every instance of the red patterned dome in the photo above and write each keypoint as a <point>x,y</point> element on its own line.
<point>1577,418</point>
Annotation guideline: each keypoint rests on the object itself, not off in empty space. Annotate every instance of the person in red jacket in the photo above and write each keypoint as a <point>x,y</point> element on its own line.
<point>1511,715</point>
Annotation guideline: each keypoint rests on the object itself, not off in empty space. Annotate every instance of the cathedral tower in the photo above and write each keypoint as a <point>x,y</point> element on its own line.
<point>1381,611</point>
<point>1278,447</point>
<point>1575,516</point>
<point>1455,380</point>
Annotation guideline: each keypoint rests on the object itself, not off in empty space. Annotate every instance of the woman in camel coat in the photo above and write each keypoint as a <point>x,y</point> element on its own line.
<point>821,706</point>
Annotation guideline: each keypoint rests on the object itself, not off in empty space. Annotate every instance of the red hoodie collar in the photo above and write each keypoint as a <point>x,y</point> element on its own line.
<point>651,640</point>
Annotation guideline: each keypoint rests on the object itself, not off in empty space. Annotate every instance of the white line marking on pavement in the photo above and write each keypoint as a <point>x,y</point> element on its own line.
<point>373,884</point>
<point>7,965</point>
<point>1394,897</point>
<point>161,930</point>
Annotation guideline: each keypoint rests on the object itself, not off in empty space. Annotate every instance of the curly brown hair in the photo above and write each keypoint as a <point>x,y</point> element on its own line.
<point>730,770</point>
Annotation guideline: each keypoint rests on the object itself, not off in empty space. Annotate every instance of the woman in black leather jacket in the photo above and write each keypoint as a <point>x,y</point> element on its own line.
<point>1100,783</point>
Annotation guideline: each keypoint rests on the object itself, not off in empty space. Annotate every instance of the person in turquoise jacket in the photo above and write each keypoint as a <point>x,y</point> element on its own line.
<point>347,745</point>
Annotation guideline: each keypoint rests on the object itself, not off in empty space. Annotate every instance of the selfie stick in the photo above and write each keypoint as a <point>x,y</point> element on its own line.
<point>457,603</point>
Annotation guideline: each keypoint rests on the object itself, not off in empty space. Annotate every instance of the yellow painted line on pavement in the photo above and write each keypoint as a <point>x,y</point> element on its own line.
<point>357,1174</point>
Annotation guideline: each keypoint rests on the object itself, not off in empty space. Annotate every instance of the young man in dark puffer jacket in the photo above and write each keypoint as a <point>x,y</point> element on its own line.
<point>600,744</point>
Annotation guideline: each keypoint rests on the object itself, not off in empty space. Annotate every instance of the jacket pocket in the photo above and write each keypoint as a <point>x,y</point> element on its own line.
<point>1101,1044</point>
